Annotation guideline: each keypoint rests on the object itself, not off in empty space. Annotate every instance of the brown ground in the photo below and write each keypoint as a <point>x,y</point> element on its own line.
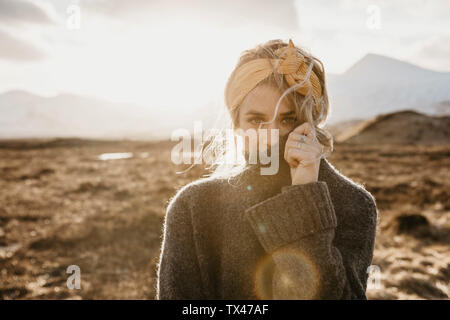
<point>60,206</point>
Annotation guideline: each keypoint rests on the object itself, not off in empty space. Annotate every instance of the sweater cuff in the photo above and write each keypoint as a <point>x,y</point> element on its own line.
<point>298,211</point>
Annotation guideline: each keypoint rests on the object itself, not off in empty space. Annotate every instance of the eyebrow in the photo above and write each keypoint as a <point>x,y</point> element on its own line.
<point>257,113</point>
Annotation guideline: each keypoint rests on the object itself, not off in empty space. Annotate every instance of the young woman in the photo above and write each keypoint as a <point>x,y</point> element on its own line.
<point>305,232</point>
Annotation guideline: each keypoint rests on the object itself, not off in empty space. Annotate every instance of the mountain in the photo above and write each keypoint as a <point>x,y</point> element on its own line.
<point>374,85</point>
<point>400,127</point>
<point>342,129</point>
<point>23,115</point>
<point>378,84</point>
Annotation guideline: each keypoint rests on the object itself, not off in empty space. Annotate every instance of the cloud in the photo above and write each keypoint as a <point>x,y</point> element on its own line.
<point>434,52</point>
<point>226,13</point>
<point>23,11</point>
<point>340,32</point>
<point>18,50</point>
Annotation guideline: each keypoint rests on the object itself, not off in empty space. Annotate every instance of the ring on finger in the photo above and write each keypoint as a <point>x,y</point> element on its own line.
<point>302,138</point>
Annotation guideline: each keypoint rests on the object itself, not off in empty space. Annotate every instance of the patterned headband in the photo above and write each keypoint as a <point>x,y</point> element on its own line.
<point>290,62</point>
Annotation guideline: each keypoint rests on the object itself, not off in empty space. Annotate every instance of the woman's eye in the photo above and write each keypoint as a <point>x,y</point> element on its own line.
<point>289,120</point>
<point>255,120</point>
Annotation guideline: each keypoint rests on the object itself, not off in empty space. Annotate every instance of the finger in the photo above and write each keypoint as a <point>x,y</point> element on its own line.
<point>294,156</point>
<point>305,161</point>
<point>297,137</point>
<point>294,136</point>
<point>300,154</point>
<point>305,129</point>
<point>304,146</point>
<point>295,140</point>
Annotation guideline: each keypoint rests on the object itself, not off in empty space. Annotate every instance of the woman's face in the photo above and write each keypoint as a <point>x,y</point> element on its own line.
<point>259,106</point>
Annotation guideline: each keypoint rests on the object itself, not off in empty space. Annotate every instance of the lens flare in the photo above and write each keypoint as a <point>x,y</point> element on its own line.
<point>286,274</point>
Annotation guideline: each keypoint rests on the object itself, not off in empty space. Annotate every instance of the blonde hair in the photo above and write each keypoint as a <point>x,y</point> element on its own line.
<point>216,147</point>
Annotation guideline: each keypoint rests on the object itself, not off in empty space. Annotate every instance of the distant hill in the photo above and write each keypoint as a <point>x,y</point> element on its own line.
<point>443,108</point>
<point>402,127</point>
<point>378,84</point>
<point>374,85</point>
<point>342,128</point>
<point>26,115</point>
<point>23,115</point>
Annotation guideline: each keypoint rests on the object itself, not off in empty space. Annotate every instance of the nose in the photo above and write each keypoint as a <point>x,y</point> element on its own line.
<point>268,135</point>
<point>269,126</point>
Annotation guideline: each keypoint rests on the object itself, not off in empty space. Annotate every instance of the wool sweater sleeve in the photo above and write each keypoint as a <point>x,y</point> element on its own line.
<point>297,227</point>
<point>178,273</point>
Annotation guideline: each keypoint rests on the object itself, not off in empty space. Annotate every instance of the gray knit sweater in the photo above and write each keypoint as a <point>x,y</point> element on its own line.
<point>260,237</point>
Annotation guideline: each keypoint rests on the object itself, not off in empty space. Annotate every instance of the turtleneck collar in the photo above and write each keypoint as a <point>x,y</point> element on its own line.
<point>252,179</point>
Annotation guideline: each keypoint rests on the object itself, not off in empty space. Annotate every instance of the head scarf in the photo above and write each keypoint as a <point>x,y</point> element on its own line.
<point>289,62</point>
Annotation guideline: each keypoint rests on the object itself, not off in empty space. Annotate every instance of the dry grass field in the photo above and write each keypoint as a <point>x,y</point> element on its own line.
<point>62,205</point>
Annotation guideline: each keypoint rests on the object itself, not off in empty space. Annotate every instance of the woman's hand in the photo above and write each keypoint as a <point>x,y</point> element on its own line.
<point>303,157</point>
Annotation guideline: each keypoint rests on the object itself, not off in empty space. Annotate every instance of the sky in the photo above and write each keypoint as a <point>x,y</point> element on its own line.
<point>169,54</point>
